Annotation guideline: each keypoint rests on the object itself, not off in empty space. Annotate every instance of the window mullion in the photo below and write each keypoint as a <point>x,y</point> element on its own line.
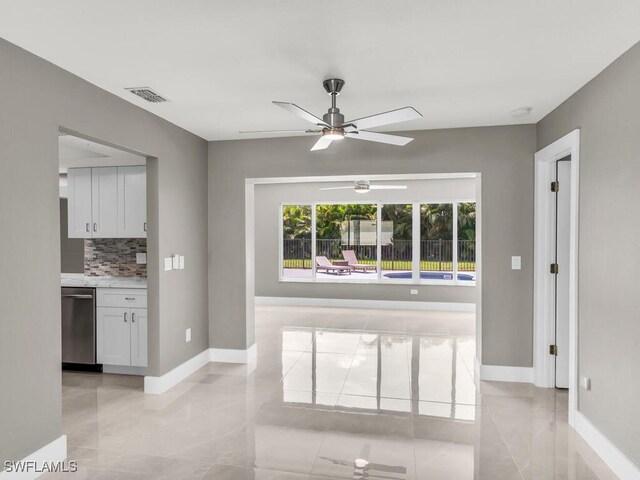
<point>379,240</point>
<point>313,240</point>
<point>454,243</point>
<point>415,242</point>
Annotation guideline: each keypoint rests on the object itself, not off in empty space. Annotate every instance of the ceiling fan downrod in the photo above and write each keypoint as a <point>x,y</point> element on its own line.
<point>333,117</point>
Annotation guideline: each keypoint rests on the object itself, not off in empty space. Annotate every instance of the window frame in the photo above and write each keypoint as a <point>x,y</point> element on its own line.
<point>378,279</point>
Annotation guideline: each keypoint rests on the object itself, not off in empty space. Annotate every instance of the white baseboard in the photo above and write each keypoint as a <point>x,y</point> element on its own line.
<point>227,355</point>
<point>499,373</point>
<point>378,304</point>
<point>158,385</point>
<point>614,458</point>
<point>123,370</point>
<point>55,451</point>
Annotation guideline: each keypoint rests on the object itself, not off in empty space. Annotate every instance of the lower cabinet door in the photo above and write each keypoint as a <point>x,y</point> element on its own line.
<point>113,336</point>
<point>139,337</point>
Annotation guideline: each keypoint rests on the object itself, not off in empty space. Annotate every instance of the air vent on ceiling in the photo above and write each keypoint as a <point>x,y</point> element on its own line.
<point>148,94</point>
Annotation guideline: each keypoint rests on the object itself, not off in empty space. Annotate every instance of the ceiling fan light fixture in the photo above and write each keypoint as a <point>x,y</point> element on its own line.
<point>362,186</point>
<point>333,134</point>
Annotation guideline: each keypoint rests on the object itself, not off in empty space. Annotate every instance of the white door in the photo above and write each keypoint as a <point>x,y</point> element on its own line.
<point>104,202</point>
<point>113,336</point>
<point>79,203</point>
<point>562,220</point>
<point>139,337</point>
<point>132,202</point>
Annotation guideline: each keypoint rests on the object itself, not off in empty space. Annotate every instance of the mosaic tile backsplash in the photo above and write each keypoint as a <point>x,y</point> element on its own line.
<point>114,257</point>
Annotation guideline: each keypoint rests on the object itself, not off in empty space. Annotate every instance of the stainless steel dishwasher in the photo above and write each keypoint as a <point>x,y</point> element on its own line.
<point>78,326</point>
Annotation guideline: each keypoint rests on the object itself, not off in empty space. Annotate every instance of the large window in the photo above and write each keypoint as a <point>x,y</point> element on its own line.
<point>397,242</point>
<point>346,240</point>
<point>375,242</point>
<point>296,241</point>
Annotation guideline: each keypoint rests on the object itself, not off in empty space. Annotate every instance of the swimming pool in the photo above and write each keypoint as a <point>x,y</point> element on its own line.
<point>431,276</point>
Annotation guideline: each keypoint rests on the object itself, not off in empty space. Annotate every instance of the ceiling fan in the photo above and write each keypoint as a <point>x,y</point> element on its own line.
<point>333,127</point>
<point>363,186</point>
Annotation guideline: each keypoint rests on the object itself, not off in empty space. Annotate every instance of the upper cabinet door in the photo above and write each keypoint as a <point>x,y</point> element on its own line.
<point>79,204</point>
<point>132,202</point>
<point>104,204</point>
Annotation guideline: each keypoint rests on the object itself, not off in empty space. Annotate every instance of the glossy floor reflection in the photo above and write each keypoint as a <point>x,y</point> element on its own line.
<point>336,393</point>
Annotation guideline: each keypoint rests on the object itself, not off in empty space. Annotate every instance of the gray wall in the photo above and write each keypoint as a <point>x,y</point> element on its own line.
<point>607,112</point>
<point>504,157</point>
<point>71,249</point>
<point>268,199</point>
<point>36,98</point>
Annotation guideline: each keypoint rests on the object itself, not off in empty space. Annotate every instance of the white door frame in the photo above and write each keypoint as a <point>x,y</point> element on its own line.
<point>544,327</point>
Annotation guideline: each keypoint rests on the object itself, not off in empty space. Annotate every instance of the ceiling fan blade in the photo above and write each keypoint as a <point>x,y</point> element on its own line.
<point>387,118</point>
<point>322,143</point>
<point>337,188</point>
<point>300,112</point>
<point>280,131</point>
<point>388,187</point>
<point>379,137</point>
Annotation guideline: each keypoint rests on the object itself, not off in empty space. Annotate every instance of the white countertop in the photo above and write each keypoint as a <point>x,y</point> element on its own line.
<point>80,280</point>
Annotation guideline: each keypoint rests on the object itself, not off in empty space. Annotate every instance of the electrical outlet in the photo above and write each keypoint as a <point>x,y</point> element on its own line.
<point>168,263</point>
<point>181,262</point>
<point>414,291</point>
<point>176,262</point>
<point>586,383</point>
<point>141,258</point>
<point>187,335</point>
<point>516,263</point>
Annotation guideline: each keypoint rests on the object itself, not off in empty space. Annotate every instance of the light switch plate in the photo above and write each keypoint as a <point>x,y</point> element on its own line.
<point>168,263</point>
<point>176,262</point>
<point>516,263</point>
<point>414,291</point>
<point>141,258</point>
<point>181,262</point>
<point>187,335</point>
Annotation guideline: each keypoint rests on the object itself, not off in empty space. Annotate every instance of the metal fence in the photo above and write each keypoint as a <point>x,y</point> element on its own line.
<point>435,255</point>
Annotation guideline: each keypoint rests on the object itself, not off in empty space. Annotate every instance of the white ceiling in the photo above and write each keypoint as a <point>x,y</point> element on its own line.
<point>75,152</point>
<point>459,62</point>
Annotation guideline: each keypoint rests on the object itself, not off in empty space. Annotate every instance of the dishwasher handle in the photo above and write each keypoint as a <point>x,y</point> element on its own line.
<point>78,296</point>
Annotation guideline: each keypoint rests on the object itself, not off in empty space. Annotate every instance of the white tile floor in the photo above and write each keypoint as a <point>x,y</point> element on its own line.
<point>337,393</point>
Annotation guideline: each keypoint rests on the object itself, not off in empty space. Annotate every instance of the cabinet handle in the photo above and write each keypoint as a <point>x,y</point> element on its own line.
<point>95,227</point>
<point>129,298</point>
<point>133,318</point>
<point>145,226</point>
<point>125,317</point>
<point>88,227</point>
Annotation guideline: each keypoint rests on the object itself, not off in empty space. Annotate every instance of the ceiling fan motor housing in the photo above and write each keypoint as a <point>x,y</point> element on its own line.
<point>333,117</point>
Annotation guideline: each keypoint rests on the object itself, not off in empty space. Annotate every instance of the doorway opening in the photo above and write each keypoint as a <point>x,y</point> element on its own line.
<point>103,240</point>
<point>556,267</point>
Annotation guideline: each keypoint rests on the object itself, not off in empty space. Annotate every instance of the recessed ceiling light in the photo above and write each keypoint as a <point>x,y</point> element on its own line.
<point>521,111</point>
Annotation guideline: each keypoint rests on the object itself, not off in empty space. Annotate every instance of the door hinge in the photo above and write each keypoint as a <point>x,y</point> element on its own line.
<point>555,187</point>
<point>553,350</point>
<point>554,268</point>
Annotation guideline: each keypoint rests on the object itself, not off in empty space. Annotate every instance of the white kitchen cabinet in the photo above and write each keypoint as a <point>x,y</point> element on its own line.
<point>138,337</point>
<point>104,202</point>
<point>79,203</point>
<point>107,202</point>
<point>113,336</point>
<point>121,334</point>
<point>132,202</point>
